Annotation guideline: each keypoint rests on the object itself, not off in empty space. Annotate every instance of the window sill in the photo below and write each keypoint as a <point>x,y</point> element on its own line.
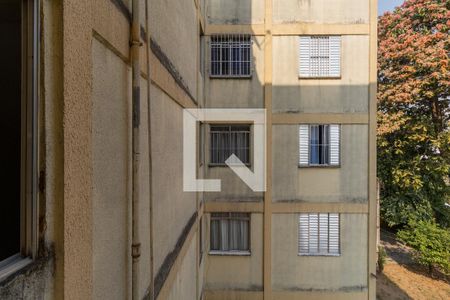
<point>319,254</point>
<point>13,264</point>
<point>230,77</point>
<point>213,165</point>
<point>230,253</point>
<point>319,77</point>
<point>320,166</point>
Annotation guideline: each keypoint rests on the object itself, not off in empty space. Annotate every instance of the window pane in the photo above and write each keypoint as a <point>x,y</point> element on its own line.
<point>319,144</point>
<point>230,231</point>
<point>230,139</point>
<point>10,127</point>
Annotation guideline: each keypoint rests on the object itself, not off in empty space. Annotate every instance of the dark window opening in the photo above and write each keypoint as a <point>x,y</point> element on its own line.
<point>319,144</point>
<point>10,126</point>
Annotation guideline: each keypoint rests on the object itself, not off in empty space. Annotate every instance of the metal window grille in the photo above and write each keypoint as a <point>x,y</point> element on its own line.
<point>230,56</point>
<point>319,145</point>
<point>318,234</point>
<point>227,140</point>
<point>230,232</point>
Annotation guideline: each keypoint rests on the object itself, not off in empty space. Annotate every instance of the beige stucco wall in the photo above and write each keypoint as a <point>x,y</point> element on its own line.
<point>321,11</point>
<point>174,27</point>
<point>172,208</point>
<point>346,183</point>
<point>291,272</point>
<point>241,92</point>
<point>233,188</point>
<point>111,156</point>
<point>238,272</point>
<point>185,282</point>
<point>235,11</point>
<point>347,94</point>
<point>112,177</point>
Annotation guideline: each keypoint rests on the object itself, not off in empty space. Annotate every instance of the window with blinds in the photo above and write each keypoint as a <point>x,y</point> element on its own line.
<point>230,56</point>
<point>319,145</point>
<point>230,232</point>
<point>318,234</point>
<point>229,139</point>
<point>319,56</point>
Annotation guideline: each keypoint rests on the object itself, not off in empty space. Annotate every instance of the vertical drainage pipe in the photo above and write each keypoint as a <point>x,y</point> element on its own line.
<point>136,116</point>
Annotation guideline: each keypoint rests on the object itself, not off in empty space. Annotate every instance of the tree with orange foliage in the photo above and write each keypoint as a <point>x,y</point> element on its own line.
<point>414,112</point>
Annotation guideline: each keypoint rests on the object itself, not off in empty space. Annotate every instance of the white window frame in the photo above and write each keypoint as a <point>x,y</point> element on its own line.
<point>226,41</point>
<point>304,237</point>
<point>327,50</point>
<point>334,160</point>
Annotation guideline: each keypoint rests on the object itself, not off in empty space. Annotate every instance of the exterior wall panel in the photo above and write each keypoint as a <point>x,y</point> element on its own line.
<point>347,94</point>
<point>321,11</point>
<point>346,183</point>
<point>294,273</point>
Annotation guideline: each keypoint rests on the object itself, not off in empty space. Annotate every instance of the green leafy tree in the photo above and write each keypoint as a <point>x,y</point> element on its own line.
<point>430,243</point>
<point>414,112</point>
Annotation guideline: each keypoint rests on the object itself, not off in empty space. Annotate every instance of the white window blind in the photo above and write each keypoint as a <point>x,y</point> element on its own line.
<point>320,56</point>
<point>334,144</point>
<point>303,145</point>
<point>318,234</point>
<point>319,145</point>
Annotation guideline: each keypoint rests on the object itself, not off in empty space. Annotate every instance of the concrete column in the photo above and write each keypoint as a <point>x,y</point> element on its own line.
<point>77,128</point>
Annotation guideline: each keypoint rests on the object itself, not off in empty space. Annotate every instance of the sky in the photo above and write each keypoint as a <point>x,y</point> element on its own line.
<point>387,5</point>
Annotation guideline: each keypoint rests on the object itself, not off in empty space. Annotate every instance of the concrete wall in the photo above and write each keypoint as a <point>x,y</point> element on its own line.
<point>291,272</point>
<point>185,283</point>
<point>111,167</point>
<point>321,11</point>
<point>169,200</point>
<point>346,183</point>
<point>174,27</point>
<point>227,272</point>
<point>235,11</point>
<point>237,93</point>
<point>345,95</point>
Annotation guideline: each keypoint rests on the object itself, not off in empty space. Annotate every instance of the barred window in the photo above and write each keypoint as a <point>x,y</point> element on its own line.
<point>230,232</point>
<point>318,234</point>
<point>227,140</point>
<point>320,56</point>
<point>230,56</point>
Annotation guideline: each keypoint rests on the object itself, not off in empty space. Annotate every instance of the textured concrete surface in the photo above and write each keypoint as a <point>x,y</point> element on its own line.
<point>321,11</point>
<point>228,272</point>
<point>291,272</point>
<point>235,11</point>
<point>346,183</point>
<point>345,95</point>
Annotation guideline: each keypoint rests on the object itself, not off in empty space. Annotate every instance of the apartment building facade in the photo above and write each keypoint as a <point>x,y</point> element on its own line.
<point>94,201</point>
